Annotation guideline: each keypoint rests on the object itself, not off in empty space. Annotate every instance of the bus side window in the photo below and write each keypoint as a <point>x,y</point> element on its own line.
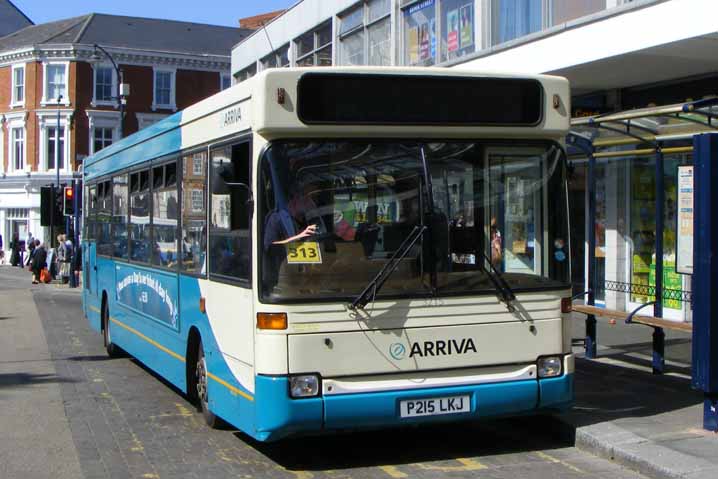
<point>230,212</point>
<point>118,227</point>
<point>140,216</point>
<point>104,218</point>
<point>193,239</point>
<point>164,215</point>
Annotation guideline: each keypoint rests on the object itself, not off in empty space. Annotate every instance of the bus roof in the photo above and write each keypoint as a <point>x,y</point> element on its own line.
<point>253,104</point>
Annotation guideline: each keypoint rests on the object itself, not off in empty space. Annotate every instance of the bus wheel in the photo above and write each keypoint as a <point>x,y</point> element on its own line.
<point>112,350</point>
<point>202,391</point>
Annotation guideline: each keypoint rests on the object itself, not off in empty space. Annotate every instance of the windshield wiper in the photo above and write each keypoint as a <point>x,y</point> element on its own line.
<point>375,284</point>
<point>500,284</point>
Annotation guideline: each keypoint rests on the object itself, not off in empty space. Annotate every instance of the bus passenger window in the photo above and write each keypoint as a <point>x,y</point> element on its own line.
<point>104,218</point>
<point>164,215</point>
<point>140,216</point>
<point>118,228</point>
<point>193,239</point>
<point>230,210</point>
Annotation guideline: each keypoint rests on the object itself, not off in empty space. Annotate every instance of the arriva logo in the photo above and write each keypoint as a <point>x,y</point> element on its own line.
<point>397,351</point>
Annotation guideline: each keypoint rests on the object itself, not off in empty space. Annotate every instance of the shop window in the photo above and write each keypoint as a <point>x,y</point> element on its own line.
<point>419,20</point>
<point>194,213</point>
<point>315,48</point>
<point>458,29</point>
<point>515,18</point>
<point>230,213</point>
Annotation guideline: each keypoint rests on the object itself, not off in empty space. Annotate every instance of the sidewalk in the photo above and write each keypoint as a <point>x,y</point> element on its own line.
<point>652,424</point>
<point>36,437</point>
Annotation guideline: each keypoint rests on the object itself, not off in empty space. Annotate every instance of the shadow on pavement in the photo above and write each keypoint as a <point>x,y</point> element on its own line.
<point>27,379</point>
<point>606,392</point>
<point>416,445</point>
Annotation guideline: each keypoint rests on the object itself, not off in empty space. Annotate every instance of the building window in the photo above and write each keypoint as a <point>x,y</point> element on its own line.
<point>18,86</point>
<point>197,200</point>
<point>365,34</point>
<point>225,82</point>
<point>246,73</point>
<point>278,58</point>
<point>18,148</point>
<point>457,29</point>
<point>164,92</point>
<point>56,83</point>
<point>515,18</point>
<point>420,33</point>
<point>102,137</point>
<point>104,84</point>
<point>566,10</point>
<point>315,48</point>
<point>52,141</point>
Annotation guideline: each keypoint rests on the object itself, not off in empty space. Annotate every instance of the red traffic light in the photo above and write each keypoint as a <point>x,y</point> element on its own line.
<point>68,192</point>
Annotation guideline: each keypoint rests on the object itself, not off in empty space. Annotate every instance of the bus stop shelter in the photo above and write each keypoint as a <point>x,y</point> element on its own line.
<point>689,131</point>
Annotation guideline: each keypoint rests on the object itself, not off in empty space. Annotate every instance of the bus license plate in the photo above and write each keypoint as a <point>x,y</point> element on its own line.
<point>435,406</point>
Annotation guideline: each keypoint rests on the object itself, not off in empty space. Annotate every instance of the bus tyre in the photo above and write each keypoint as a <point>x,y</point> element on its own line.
<point>202,391</point>
<point>112,350</point>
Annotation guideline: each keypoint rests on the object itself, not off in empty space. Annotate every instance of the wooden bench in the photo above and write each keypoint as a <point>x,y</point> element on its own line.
<point>658,325</point>
<point>622,315</point>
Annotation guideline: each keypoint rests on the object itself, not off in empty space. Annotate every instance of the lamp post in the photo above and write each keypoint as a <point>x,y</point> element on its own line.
<point>122,89</point>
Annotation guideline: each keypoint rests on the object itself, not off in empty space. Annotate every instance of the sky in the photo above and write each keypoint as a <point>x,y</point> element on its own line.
<point>216,12</point>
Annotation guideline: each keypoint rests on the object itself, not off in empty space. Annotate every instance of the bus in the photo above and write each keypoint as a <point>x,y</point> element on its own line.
<point>330,249</point>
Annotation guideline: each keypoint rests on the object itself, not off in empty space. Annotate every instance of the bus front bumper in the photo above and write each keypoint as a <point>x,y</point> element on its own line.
<point>278,415</point>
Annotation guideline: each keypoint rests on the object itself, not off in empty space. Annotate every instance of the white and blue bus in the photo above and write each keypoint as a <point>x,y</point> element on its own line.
<point>340,248</point>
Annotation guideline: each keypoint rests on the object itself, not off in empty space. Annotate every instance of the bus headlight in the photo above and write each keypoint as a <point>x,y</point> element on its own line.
<point>303,386</point>
<point>549,366</point>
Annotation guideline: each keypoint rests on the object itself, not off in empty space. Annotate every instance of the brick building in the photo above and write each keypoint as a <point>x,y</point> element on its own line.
<point>168,65</point>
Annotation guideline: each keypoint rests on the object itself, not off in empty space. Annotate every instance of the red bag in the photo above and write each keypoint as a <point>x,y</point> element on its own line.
<point>45,276</point>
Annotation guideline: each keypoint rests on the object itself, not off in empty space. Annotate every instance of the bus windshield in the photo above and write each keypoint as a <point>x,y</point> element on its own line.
<point>333,213</point>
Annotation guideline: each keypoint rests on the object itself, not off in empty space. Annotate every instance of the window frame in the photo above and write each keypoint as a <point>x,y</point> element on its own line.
<point>205,149</point>
<point>162,163</point>
<point>113,86</point>
<point>46,100</point>
<point>56,138</point>
<point>364,26</point>
<point>13,149</point>
<point>14,101</point>
<point>316,47</point>
<point>244,138</point>
<point>172,105</point>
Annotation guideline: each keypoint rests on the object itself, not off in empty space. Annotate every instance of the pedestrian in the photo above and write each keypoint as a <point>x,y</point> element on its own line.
<point>15,250</point>
<point>39,261</point>
<point>30,246</point>
<point>67,259</point>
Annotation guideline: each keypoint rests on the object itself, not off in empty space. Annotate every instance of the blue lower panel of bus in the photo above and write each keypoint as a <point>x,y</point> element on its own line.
<point>277,415</point>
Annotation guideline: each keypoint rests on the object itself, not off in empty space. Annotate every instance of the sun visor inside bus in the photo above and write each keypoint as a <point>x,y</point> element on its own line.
<point>341,98</point>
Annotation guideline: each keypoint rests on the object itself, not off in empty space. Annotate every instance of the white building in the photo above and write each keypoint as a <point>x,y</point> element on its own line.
<point>618,55</point>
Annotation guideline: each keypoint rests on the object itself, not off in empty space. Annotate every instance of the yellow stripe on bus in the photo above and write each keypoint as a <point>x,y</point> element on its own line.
<point>230,387</point>
<point>92,308</point>
<point>177,356</point>
<point>152,342</point>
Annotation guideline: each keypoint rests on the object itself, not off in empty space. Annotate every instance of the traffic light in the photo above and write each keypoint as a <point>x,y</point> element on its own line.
<point>50,206</point>
<point>68,197</point>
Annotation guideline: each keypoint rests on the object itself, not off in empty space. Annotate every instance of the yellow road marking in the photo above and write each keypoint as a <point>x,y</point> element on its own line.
<point>556,460</point>
<point>393,472</point>
<point>466,465</point>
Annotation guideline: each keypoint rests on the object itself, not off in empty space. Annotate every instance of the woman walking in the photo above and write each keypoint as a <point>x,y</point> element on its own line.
<point>39,261</point>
